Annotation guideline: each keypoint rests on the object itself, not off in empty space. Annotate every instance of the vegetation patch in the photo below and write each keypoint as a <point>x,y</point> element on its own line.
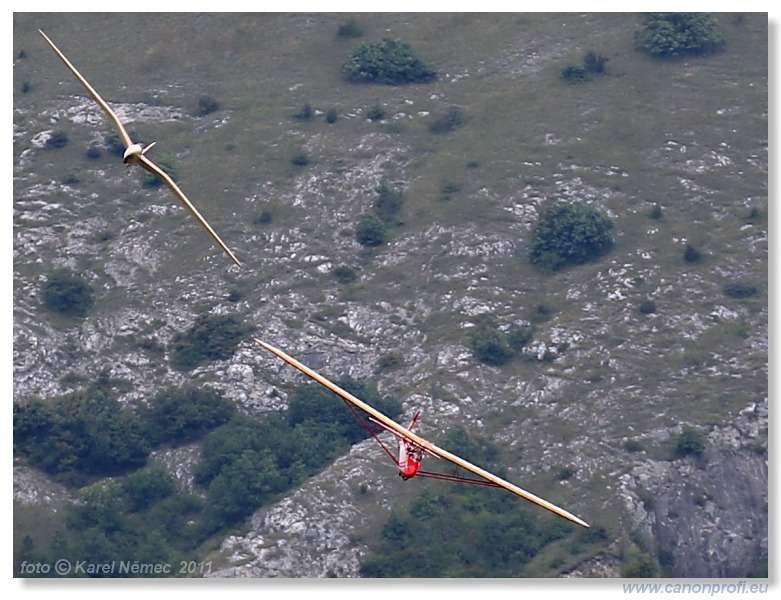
<point>461,530</point>
<point>211,337</point>
<point>389,61</point>
<point>678,34</point>
<point>67,293</point>
<point>570,234</point>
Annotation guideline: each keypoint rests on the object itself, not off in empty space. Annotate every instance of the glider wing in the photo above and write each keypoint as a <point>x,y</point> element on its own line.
<point>426,445</point>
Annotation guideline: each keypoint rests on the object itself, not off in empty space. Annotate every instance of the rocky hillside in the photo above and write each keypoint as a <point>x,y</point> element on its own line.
<point>674,152</point>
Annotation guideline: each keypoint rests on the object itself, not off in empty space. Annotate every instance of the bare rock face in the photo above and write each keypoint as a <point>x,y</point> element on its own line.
<point>708,515</point>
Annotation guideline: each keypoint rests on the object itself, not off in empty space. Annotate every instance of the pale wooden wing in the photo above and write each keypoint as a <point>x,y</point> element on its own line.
<point>166,178</point>
<point>95,96</point>
<point>426,445</point>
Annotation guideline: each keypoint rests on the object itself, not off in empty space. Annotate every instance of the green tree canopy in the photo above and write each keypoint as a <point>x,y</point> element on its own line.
<point>211,337</point>
<point>678,34</point>
<point>569,234</point>
<point>388,61</point>
<point>67,293</point>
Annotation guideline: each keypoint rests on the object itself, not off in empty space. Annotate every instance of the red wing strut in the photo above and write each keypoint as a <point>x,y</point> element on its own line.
<point>427,446</point>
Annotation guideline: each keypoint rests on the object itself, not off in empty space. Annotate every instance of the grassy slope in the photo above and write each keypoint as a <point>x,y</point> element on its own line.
<point>529,136</point>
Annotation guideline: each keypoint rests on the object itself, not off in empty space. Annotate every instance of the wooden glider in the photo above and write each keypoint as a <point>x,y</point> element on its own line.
<point>136,153</point>
<point>428,447</point>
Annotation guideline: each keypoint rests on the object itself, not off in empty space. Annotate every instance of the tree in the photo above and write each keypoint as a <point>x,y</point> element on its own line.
<point>146,486</point>
<point>490,345</point>
<point>678,34</point>
<point>67,293</point>
<point>185,414</point>
<point>690,442</point>
<point>389,61</point>
<point>570,234</point>
<point>371,231</point>
<point>639,564</point>
<point>388,202</point>
<point>211,337</point>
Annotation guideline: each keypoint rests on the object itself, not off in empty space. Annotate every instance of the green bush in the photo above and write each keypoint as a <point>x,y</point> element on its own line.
<point>67,293</point>
<point>647,307</point>
<point>574,74</point>
<point>306,113</point>
<point>570,234</point>
<point>450,121</point>
<point>185,414</point>
<point>638,563</point>
<point>350,29</point>
<point>82,435</point>
<point>376,113</point>
<point>57,140</point>
<point>211,337</point>
<point>740,289</point>
<point>207,105</point>
<point>300,159</point>
<point>691,254</point>
<point>388,203</point>
<point>345,274</point>
<point>678,34</point>
<point>490,345</point>
<point>594,63</point>
<point>146,486</point>
<point>388,61</point>
<point>690,442</point>
<point>371,231</point>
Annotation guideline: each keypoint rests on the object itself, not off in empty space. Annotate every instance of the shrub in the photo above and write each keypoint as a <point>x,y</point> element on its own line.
<point>182,415</point>
<point>655,212</point>
<point>211,337</point>
<point>647,307</point>
<point>300,159</point>
<point>594,63</point>
<point>570,234</point>
<point>350,29</point>
<point>93,153</point>
<point>444,124</point>
<point>331,116</point>
<point>207,105</point>
<point>371,231</point>
<point>691,254</point>
<point>388,203</point>
<point>678,34</point>
<point>690,442</point>
<point>376,113</point>
<point>638,563</point>
<point>345,274</point>
<point>67,293</point>
<point>57,140</point>
<point>264,218</point>
<point>81,435</point>
<point>146,486</point>
<point>574,74</point>
<point>740,289</point>
<point>490,345</point>
<point>388,61</point>
<point>306,113</point>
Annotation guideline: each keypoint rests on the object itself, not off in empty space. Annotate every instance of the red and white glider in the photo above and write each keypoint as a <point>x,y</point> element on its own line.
<point>412,447</point>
